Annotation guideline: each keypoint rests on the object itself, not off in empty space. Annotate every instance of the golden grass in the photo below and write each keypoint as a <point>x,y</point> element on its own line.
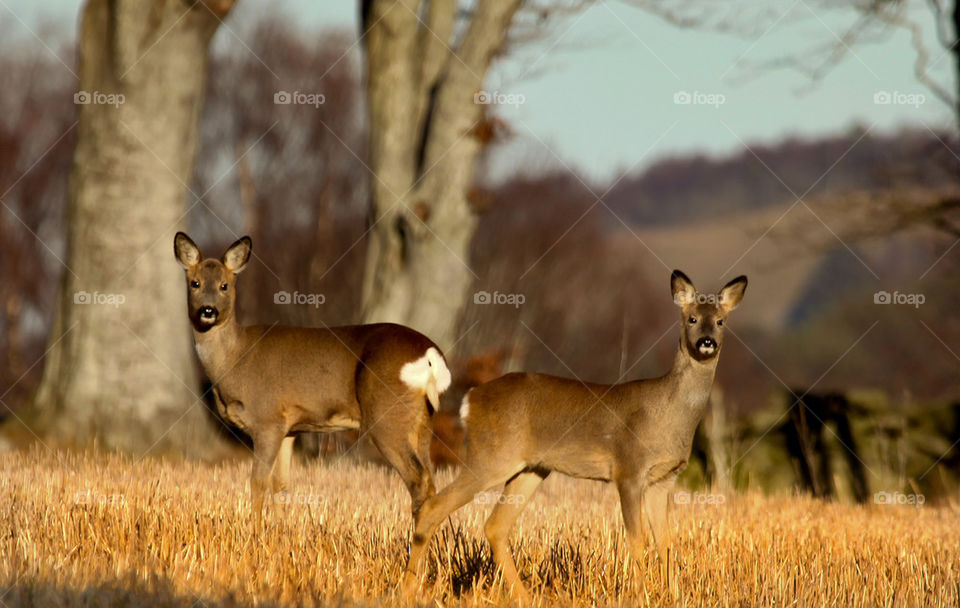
<point>181,535</point>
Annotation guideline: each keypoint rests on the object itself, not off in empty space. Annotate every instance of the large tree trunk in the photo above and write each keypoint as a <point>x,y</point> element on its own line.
<point>423,120</point>
<point>955,51</point>
<point>119,370</point>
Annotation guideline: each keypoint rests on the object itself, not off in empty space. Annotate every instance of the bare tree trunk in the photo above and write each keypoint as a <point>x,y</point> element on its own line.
<point>119,370</point>
<point>955,51</point>
<point>422,151</point>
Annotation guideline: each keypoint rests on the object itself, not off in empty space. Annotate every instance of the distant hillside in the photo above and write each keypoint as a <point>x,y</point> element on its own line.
<point>696,188</point>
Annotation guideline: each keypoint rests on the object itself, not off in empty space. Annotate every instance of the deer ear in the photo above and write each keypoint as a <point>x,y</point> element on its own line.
<point>236,256</point>
<point>682,288</point>
<point>732,293</point>
<point>186,251</point>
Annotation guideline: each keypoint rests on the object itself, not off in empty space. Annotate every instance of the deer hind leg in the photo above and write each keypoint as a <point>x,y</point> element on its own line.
<point>436,508</point>
<point>398,422</point>
<point>281,471</point>
<point>413,471</point>
<point>509,506</point>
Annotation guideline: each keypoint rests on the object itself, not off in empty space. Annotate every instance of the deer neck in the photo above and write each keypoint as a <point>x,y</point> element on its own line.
<point>691,382</point>
<point>219,348</point>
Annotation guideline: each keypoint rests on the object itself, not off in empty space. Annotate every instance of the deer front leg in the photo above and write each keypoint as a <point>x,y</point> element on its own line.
<point>281,473</point>
<point>266,445</point>
<point>655,505</point>
<point>631,505</point>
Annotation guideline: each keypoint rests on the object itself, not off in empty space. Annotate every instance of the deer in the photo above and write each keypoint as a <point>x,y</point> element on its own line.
<point>275,382</point>
<point>521,427</point>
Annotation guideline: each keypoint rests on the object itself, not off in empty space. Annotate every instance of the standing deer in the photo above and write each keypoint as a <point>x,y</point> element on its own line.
<point>274,382</point>
<point>638,435</point>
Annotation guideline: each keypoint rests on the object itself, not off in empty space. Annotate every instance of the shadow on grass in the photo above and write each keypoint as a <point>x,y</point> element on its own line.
<point>568,569</point>
<point>134,591</point>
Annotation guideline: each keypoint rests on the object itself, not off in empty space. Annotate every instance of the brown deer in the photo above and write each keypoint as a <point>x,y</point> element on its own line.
<point>638,435</point>
<point>274,382</point>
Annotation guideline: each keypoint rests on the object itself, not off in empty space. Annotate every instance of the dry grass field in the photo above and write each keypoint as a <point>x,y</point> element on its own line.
<point>94,530</point>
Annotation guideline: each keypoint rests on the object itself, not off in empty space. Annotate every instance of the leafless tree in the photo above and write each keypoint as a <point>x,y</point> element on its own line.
<point>117,369</point>
<point>425,67</point>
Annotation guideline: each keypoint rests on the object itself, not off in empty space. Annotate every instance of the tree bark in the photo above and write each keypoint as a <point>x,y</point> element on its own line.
<point>119,371</point>
<point>422,153</point>
<point>955,51</point>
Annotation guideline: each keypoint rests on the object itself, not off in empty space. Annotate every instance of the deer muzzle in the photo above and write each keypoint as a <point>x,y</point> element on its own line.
<point>706,346</point>
<point>208,315</point>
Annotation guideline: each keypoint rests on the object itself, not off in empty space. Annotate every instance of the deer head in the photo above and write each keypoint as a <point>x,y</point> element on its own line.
<point>211,292</point>
<point>703,315</point>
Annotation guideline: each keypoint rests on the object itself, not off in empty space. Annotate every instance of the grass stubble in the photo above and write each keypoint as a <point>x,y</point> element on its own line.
<point>105,530</point>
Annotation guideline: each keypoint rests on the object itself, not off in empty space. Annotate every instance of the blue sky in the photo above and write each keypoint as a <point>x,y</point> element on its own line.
<point>599,88</point>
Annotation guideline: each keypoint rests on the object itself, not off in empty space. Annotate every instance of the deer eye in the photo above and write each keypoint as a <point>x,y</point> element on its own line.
<point>719,322</point>
<point>692,320</point>
<point>223,287</point>
<point>195,284</point>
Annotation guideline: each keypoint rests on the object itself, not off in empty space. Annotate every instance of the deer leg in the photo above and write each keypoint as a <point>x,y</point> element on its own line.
<point>402,435</point>
<point>398,422</point>
<point>414,472</point>
<point>510,505</point>
<point>436,508</point>
<point>266,445</point>
<point>281,471</point>
<point>631,505</point>
<point>655,504</point>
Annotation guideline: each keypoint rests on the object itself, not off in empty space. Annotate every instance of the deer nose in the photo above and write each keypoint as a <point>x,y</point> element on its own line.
<point>706,345</point>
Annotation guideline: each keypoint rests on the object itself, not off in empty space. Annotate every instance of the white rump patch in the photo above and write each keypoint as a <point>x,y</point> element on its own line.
<point>429,374</point>
<point>465,407</point>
